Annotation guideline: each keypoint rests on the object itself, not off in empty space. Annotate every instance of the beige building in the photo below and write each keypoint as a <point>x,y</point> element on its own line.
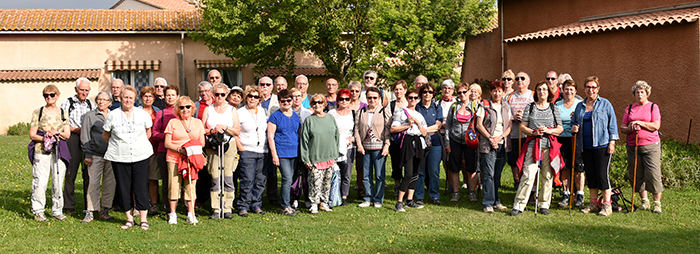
<point>41,47</point>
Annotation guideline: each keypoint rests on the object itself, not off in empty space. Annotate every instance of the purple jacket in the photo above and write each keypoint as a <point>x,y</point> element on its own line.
<point>62,146</point>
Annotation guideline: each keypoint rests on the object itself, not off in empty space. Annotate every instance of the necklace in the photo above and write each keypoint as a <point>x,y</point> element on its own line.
<point>187,126</point>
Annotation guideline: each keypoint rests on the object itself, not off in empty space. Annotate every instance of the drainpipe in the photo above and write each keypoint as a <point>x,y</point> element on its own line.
<point>500,19</point>
<point>181,66</point>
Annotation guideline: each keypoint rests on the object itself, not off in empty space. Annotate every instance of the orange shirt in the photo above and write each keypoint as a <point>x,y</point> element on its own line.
<point>176,129</point>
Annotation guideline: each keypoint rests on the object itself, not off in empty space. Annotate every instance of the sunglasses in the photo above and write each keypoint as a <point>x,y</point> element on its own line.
<point>412,97</point>
<point>507,79</point>
<point>214,77</point>
<point>372,97</point>
<point>316,103</point>
<point>47,95</point>
<point>219,94</point>
<point>160,86</point>
<point>254,96</point>
<point>354,91</point>
<point>428,92</point>
<point>265,84</point>
<point>551,79</point>
<point>286,101</point>
<point>344,99</point>
<point>519,78</point>
<point>369,77</point>
<point>463,92</point>
<point>185,107</point>
<point>587,87</point>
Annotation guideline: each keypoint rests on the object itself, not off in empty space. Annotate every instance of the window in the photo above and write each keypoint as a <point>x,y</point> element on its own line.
<point>136,78</point>
<point>229,76</point>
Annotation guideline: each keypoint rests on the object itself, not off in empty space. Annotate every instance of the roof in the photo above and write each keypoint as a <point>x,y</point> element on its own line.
<point>165,4</point>
<point>658,18</point>
<point>49,74</point>
<point>308,71</point>
<point>65,20</point>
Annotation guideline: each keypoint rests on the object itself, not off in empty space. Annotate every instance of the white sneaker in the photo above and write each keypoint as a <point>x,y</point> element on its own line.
<point>464,186</point>
<point>313,209</point>
<point>191,218</point>
<point>172,218</point>
<point>377,205</point>
<point>364,204</point>
<point>326,208</point>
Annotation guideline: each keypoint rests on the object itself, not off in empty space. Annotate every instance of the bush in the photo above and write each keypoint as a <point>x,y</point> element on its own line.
<point>18,129</point>
<point>680,165</point>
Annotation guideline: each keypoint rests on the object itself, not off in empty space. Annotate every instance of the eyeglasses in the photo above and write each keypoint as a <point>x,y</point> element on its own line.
<point>214,77</point>
<point>332,84</point>
<point>147,96</point>
<point>100,99</point>
<point>463,92</point>
<point>219,94</point>
<point>591,87</point>
<point>316,103</point>
<point>286,101</point>
<point>344,99</point>
<point>372,97</point>
<point>296,96</point>
<point>265,84</point>
<point>185,107</point>
<point>254,96</point>
<point>519,78</point>
<point>354,91</point>
<point>507,79</point>
<point>550,79</point>
<point>159,86</point>
<point>369,77</point>
<point>428,92</point>
<point>47,95</point>
<point>412,97</point>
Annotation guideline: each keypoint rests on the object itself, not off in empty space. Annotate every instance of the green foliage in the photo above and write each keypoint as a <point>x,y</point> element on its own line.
<point>19,129</point>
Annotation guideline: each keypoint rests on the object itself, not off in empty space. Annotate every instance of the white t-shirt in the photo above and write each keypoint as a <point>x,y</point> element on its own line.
<point>346,129</point>
<point>253,129</point>
<point>128,141</point>
<point>498,131</point>
<point>400,119</point>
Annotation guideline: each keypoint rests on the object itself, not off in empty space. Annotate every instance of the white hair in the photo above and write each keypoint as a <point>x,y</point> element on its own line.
<point>301,76</point>
<point>265,77</point>
<point>107,93</point>
<point>368,72</point>
<point>205,83</point>
<point>160,78</point>
<point>448,82</point>
<point>81,80</point>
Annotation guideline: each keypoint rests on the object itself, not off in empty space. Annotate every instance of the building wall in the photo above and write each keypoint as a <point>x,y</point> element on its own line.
<point>482,57</point>
<point>667,57</point>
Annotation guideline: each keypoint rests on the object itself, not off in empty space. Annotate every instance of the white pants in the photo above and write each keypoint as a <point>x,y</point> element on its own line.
<point>528,180</point>
<point>100,171</point>
<point>45,166</point>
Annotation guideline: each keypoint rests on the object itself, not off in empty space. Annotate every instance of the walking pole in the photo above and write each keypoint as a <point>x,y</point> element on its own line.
<point>537,176</point>
<point>221,181</point>
<point>189,177</point>
<point>573,166</point>
<point>634,179</point>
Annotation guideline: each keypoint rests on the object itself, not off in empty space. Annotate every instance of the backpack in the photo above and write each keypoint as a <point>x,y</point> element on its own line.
<point>41,112</point>
<point>72,104</point>
<point>618,201</point>
<point>398,137</point>
<point>629,111</point>
<point>472,136</point>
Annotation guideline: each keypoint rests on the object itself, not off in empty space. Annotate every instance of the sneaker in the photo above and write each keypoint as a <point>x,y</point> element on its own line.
<point>153,210</point>
<point>591,208</point>
<point>419,201</point>
<point>172,218</point>
<point>243,213</point>
<point>313,209</point>
<point>464,186</point>
<point>455,197</point>
<point>289,212</point>
<point>514,212</point>
<point>104,214</point>
<point>605,210</point>
<point>412,204</point>
<point>500,207</point>
<point>228,216</point>
<point>259,211</point>
<point>40,217</point>
<point>399,207</point>
<point>579,200</point>
<point>191,218</point>
<point>657,207</point>
<point>60,217</point>
<point>295,205</point>
<point>344,202</point>
<point>544,211</point>
<point>308,204</point>
<point>472,197</point>
<point>488,209</point>
<point>437,202</point>
<point>88,217</point>
<point>564,201</point>
<point>645,205</point>
<point>215,215</point>
<point>377,205</point>
<point>324,207</point>
<point>364,204</point>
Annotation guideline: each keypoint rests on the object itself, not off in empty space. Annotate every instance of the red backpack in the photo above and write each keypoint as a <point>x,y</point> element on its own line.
<point>472,136</point>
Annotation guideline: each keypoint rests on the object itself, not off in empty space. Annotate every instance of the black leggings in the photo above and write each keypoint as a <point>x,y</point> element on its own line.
<point>596,163</point>
<point>395,153</point>
<point>412,156</point>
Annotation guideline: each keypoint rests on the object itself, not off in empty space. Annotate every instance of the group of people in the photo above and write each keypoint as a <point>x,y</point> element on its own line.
<point>546,135</point>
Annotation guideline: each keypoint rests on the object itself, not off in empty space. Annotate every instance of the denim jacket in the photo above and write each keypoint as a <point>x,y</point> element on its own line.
<point>604,121</point>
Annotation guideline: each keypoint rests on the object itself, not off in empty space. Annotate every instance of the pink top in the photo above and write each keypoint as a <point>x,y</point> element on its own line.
<point>645,114</point>
<point>463,118</point>
<point>324,164</point>
<point>176,128</point>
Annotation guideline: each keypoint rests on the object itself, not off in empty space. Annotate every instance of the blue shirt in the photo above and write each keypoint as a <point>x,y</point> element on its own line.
<point>432,114</point>
<point>306,103</point>
<point>603,123</point>
<point>286,134</point>
<point>266,103</point>
<point>566,114</point>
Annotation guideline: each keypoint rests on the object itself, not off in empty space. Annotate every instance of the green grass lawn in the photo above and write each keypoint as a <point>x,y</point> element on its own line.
<point>450,228</point>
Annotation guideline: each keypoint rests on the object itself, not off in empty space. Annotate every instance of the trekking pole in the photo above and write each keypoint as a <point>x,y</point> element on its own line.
<point>573,167</point>
<point>537,176</point>
<point>189,177</point>
<point>221,181</point>
<point>634,179</point>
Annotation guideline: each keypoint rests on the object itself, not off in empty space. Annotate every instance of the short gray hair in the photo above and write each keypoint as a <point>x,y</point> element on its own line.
<point>159,79</point>
<point>354,83</point>
<point>81,80</point>
<point>564,77</point>
<point>107,93</point>
<point>643,85</point>
<point>448,82</point>
<point>259,80</point>
<point>204,83</point>
<point>301,76</point>
<point>368,72</point>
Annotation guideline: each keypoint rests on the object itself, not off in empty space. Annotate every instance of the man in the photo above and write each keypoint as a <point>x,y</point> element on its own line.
<point>280,84</point>
<point>420,81</point>
<point>518,100</point>
<point>553,83</point>
<point>331,93</point>
<point>206,98</point>
<point>116,88</point>
<point>214,77</point>
<point>160,85</point>
<point>302,83</point>
<point>76,107</point>
<point>370,78</point>
<point>269,100</point>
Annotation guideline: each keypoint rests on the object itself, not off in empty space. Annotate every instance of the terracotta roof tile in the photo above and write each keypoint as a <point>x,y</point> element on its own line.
<point>611,24</point>
<point>49,74</point>
<point>297,71</point>
<point>171,4</point>
<point>99,20</point>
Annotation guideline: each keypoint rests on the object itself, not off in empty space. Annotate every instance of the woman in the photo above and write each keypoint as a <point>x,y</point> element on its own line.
<point>283,137</point>
<point>180,130</point>
<point>494,124</point>
<point>253,148</point>
<point>163,117</point>
<point>566,110</point>
<point>127,130</point>
<point>346,127</point>
<point>541,123</point>
<point>507,79</point>
<point>94,148</point>
<point>148,95</point>
<point>319,149</point>
<point>598,142</point>
<point>399,87</point>
<point>355,88</point>
<point>456,125</point>
<point>220,118</point>
<point>469,173</point>
<point>297,107</point>
<point>432,114</point>
<point>234,97</point>
<point>48,122</point>
<point>448,98</point>
<point>641,123</point>
<point>411,123</point>
<point>372,132</point>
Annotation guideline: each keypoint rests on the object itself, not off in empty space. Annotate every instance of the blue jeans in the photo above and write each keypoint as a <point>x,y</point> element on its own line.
<point>252,179</point>
<point>287,169</point>
<point>431,172</point>
<point>491,168</point>
<point>374,189</point>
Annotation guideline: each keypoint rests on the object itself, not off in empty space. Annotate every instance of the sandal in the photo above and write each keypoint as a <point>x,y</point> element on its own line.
<point>127,225</point>
<point>145,226</point>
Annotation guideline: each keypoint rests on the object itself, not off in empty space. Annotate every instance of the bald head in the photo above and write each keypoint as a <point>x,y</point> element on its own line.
<point>522,81</point>
<point>116,88</point>
<point>552,80</point>
<point>214,77</point>
<point>302,83</point>
<point>280,83</point>
<point>420,81</point>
